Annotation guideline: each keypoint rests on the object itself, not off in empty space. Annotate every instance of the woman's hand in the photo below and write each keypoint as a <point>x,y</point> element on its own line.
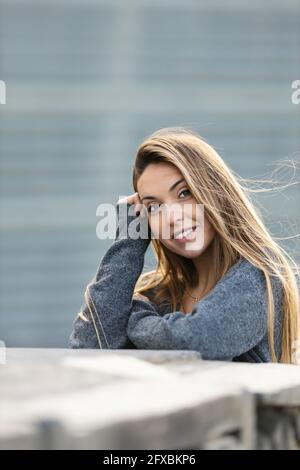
<point>140,297</point>
<point>135,200</point>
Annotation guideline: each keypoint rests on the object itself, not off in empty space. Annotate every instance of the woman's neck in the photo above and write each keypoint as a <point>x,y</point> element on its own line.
<point>205,268</point>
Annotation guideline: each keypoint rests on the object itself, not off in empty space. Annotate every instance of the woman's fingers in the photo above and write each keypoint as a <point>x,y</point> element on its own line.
<point>139,208</point>
<point>131,199</point>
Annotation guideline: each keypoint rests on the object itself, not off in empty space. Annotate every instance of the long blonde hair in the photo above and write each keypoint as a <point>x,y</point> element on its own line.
<point>239,228</point>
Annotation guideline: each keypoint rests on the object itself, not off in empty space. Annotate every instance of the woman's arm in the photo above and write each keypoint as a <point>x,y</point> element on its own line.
<point>228,321</point>
<point>84,333</point>
<point>103,319</point>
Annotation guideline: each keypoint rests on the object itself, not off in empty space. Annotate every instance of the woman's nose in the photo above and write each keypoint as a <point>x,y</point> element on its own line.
<point>174,214</point>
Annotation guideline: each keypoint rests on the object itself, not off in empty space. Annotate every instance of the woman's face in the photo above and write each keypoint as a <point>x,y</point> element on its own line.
<point>172,209</point>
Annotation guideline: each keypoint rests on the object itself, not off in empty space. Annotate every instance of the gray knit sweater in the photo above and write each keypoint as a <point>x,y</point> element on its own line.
<point>229,323</point>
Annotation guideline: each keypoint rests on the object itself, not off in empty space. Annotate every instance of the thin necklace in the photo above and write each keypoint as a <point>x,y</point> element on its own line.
<point>195,298</point>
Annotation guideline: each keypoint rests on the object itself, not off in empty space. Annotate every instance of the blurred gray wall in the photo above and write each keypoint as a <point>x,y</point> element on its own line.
<point>86,82</point>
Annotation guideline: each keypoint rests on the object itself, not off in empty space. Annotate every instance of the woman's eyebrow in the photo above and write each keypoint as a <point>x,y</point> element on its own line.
<point>171,189</point>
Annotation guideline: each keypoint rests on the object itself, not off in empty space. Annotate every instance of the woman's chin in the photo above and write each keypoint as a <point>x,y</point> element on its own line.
<point>188,253</point>
<point>188,250</point>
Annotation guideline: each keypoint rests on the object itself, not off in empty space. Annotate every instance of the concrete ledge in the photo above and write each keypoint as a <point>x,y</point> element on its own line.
<point>135,399</point>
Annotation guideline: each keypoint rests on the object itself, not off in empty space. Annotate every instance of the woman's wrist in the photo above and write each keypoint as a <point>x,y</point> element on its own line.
<point>131,225</point>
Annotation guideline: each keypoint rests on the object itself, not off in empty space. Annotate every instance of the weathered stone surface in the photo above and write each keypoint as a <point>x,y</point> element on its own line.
<point>278,428</point>
<point>134,399</point>
<point>116,399</point>
<point>272,384</point>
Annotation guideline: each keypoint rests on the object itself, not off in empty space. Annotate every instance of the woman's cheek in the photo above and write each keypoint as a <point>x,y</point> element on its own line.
<point>155,230</point>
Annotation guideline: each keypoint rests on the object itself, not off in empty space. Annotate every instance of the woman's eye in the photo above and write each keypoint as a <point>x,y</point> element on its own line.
<point>152,205</point>
<point>185,191</point>
<point>156,204</point>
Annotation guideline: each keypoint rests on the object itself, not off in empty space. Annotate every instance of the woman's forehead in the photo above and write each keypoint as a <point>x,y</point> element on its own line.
<point>157,178</point>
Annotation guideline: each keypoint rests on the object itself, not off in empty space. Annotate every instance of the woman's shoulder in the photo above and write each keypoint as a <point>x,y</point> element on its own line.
<point>249,269</point>
<point>244,269</point>
<point>241,273</point>
<point>246,274</point>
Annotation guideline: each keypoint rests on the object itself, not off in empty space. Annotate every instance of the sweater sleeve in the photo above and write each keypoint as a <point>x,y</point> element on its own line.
<point>103,318</point>
<point>229,320</point>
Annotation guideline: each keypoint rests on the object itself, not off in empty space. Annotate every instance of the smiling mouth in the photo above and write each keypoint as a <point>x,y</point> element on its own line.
<point>182,235</point>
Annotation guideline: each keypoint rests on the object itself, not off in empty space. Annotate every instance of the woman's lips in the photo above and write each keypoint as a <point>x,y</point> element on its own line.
<point>187,238</point>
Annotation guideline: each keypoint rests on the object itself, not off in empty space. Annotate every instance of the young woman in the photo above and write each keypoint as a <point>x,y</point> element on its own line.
<point>230,294</point>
